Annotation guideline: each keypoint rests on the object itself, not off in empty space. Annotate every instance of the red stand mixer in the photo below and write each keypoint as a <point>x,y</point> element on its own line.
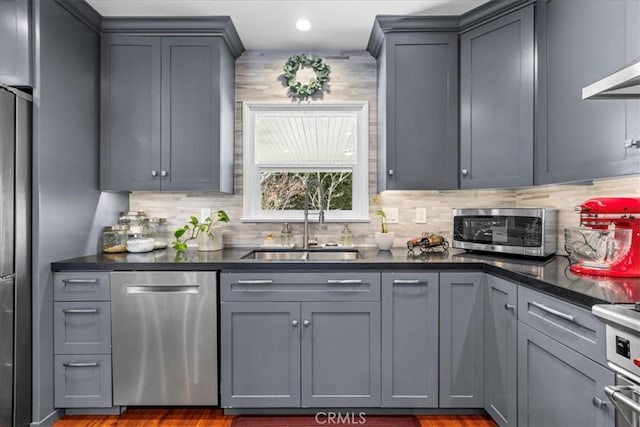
<point>607,243</point>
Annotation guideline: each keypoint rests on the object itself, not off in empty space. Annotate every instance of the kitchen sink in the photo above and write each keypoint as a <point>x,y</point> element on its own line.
<point>320,254</point>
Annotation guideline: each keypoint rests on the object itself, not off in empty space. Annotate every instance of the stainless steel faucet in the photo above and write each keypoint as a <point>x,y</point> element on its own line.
<point>307,194</point>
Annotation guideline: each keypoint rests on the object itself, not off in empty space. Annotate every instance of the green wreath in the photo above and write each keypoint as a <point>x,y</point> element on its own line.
<point>292,66</point>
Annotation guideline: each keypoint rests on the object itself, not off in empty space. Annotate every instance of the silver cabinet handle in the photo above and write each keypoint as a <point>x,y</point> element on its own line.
<point>80,310</point>
<point>256,282</point>
<point>306,322</point>
<point>465,172</point>
<point>632,143</point>
<point>344,281</point>
<point>509,307</point>
<point>154,173</point>
<point>294,323</point>
<point>391,172</point>
<point>406,281</point>
<point>80,364</point>
<point>164,173</point>
<point>598,403</point>
<point>80,281</point>
<point>556,313</point>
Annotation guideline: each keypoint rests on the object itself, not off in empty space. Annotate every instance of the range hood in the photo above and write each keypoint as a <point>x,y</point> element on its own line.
<point>623,84</point>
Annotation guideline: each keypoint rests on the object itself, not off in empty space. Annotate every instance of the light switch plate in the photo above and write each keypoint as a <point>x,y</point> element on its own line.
<point>205,213</point>
<point>421,215</point>
<point>392,215</point>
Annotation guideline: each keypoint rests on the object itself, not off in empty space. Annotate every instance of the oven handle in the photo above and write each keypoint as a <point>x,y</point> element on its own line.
<point>617,396</point>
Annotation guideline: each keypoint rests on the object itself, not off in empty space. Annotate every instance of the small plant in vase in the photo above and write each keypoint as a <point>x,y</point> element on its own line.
<point>384,239</point>
<point>208,233</point>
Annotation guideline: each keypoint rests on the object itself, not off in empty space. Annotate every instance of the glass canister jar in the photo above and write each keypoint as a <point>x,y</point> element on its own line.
<point>134,219</point>
<point>159,231</point>
<point>138,242</point>
<point>114,239</point>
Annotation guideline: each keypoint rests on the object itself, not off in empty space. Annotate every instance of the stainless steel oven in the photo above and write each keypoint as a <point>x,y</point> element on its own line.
<point>520,231</point>
<point>623,356</point>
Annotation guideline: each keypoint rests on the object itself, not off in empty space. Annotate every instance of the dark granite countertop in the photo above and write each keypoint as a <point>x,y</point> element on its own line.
<point>550,276</point>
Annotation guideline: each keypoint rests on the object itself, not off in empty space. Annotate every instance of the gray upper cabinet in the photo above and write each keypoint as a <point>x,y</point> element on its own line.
<point>417,111</point>
<point>557,386</point>
<point>410,339</point>
<point>167,117</point>
<point>461,340</point>
<point>501,351</point>
<point>496,102</point>
<point>581,42</point>
<point>15,47</point>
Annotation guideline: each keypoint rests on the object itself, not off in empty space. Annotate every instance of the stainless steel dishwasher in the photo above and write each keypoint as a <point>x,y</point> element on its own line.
<point>164,338</point>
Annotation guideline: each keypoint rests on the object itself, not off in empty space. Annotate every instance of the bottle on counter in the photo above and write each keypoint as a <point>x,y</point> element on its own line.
<point>346,238</point>
<point>286,236</point>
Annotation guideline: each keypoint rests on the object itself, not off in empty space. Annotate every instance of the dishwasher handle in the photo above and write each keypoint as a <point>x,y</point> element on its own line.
<point>162,289</point>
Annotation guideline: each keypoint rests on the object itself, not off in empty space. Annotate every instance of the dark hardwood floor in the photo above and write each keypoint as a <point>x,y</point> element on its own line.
<point>213,417</point>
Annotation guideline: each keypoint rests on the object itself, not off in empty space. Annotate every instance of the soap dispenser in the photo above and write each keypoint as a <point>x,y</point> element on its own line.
<point>286,237</point>
<point>347,237</point>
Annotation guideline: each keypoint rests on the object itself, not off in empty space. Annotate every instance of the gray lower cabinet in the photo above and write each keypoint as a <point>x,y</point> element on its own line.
<point>300,340</point>
<point>461,340</point>
<point>497,62</point>
<point>82,340</point>
<point>557,386</point>
<point>581,42</point>
<point>164,99</point>
<point>501,350</point>
<point>260,354</point>
<point>418,111</point>
<point>410,304</point>
<point>15,43</point>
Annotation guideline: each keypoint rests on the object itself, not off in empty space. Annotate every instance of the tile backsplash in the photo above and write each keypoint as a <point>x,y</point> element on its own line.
<point>353,77</point>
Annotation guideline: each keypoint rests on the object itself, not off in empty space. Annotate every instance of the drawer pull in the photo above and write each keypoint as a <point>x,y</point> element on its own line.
<point>80,310</point>
<point>306,322</point>
<point>294,323</point>
<point>344,281</point>
<point>557,313</point>
<point>509,307</point>
<point>80,281</point>
<point>406,281</point>
<point>256,282</point>
<point>80,364</point>
<point>598,403</point>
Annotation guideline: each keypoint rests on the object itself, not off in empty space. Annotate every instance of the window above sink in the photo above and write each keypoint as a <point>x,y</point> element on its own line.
<point>286,145</point>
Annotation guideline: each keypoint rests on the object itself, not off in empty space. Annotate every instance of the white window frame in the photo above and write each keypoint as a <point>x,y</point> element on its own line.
<point>252,211</point>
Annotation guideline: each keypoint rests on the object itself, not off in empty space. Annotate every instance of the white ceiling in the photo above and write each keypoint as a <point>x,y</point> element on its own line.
<point>270,24</point>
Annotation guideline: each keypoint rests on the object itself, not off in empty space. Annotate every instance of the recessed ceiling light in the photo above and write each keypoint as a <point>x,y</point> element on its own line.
<point>303,24</point>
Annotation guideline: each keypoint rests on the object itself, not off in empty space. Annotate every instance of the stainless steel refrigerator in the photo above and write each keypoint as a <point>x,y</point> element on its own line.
<point>15,257</point>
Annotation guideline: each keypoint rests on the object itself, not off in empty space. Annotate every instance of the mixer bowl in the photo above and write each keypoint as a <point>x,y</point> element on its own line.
<point>597,249</point>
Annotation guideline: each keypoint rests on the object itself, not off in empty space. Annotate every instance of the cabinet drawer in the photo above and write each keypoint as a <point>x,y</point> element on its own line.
<point>82,381</point>
<point>300,286</point>
<point>81,286</point>
<point>573,326</point>
<point>82,327</point>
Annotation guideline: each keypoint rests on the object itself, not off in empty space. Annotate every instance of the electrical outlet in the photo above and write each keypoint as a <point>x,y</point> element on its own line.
<point>205,213</point>
<point>392,215</point>
<point>421,215</point>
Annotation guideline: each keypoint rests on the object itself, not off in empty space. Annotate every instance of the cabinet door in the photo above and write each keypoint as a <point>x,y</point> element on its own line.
<point>130,113</point>
<point>581,42</point>
<point>260,354</point>
<point>418,135</point>
<point>191,113</point>
<point>461,340</point>
<point>500,351</point>
<point>410,340</point>
<point>15,48</point>
<point>496,102</point>
<point>558,386</point>
<point>340,354</point>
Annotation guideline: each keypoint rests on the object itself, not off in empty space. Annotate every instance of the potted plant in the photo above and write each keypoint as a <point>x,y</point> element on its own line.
<point>384,239</point>
<point>208,233</point>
